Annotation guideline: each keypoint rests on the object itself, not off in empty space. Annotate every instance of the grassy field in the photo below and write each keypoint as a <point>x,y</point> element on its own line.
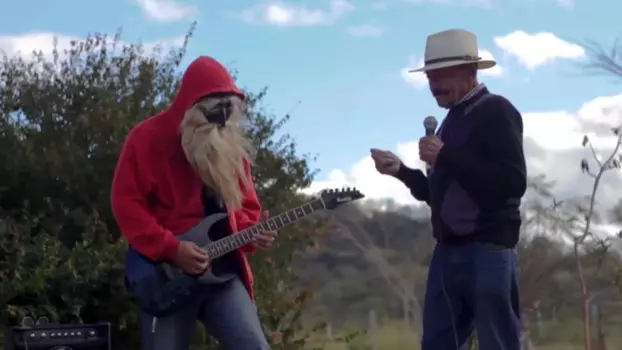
<point>397,337</point>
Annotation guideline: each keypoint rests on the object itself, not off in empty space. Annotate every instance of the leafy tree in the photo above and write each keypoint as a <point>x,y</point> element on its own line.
<point>63,120</point>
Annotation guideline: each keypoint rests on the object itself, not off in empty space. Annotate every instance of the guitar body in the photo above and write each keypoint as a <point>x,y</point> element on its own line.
<point>161,288</point>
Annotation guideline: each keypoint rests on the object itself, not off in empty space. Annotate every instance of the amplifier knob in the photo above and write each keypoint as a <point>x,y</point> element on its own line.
<point>43,335</point>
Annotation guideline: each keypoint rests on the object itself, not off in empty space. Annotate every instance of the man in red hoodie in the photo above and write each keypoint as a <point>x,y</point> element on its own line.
<point>175,168</point>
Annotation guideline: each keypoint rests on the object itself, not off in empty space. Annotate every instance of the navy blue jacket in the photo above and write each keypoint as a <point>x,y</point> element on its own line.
<point>476,185</point>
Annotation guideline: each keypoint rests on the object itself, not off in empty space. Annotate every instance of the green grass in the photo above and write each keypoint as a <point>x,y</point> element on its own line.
<point>395,336</point>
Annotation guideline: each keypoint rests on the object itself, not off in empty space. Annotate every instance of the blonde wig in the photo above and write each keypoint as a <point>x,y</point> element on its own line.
<point>217,152</point>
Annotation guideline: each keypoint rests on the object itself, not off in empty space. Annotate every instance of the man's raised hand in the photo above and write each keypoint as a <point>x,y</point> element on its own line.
<point>386,162</point>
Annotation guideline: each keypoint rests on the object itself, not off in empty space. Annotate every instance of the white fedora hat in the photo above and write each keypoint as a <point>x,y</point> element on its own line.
<point>450,48</point>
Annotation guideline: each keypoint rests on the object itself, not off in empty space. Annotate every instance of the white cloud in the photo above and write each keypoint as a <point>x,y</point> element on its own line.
<point>25,44</point>
<point>369,181</point>
<point>166,10</point>
<point>533,50</point>
<point>366,30</point>
<point>282,14</point>
<point>552,142</point>
<point>558,154</point>
<point>37,41</point>
<point>419,80</point>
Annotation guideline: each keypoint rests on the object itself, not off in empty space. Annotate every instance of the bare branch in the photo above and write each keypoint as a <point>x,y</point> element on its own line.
<point>602,169</point>
<point>594,155</point>
<point>603,61</point>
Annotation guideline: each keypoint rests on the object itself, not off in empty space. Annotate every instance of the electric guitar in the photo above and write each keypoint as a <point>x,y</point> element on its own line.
<point>161,288</point>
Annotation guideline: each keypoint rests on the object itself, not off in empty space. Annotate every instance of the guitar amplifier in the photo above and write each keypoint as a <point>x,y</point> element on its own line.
<point>59,337</point>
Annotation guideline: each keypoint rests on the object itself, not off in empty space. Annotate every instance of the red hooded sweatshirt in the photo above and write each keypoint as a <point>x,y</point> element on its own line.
<point>156,194</point>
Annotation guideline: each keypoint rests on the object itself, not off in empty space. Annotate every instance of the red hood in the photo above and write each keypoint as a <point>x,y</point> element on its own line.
<point>204,76</point>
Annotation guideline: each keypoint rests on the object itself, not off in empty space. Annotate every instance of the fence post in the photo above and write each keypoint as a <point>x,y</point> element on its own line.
<point>406,311</point>
<point>373,330</point>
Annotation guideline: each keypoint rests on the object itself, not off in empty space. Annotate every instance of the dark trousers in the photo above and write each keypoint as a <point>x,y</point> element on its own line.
<point>474,286</point>
<point>228,314</point>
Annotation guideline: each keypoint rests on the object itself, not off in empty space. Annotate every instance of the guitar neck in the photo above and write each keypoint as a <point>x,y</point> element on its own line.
<point>232,242</point>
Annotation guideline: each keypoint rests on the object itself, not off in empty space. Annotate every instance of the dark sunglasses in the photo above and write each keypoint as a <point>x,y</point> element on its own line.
<point>219,114</point>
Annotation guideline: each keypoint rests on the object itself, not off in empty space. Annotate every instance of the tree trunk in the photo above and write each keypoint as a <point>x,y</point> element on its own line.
<point>601,339</point>
<point>586,299</point>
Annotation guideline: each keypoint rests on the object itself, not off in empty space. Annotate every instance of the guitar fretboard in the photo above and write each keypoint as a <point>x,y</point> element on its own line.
<point>232,242</point>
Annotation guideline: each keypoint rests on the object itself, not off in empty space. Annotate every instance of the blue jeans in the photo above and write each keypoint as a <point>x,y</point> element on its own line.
<point>474,286</point>
<point>227,312</point>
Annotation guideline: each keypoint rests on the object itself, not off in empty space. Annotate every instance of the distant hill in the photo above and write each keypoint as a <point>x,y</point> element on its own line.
<point>370,256</point>
<point>344,268</point>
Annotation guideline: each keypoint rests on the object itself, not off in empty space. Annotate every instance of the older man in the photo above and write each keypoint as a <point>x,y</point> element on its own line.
<point>177,167</point>
<point>474,185</point>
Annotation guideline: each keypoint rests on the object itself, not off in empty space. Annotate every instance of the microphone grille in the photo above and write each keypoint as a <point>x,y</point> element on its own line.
<point>430,123</point>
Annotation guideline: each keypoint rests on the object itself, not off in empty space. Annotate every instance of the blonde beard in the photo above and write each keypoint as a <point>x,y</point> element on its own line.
<point>218,154</point>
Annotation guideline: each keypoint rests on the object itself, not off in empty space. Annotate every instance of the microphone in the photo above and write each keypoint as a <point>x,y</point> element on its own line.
<point>430,123</point>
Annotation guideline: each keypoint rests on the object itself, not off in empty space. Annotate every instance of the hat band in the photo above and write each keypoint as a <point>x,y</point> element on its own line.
<point>452,58</point>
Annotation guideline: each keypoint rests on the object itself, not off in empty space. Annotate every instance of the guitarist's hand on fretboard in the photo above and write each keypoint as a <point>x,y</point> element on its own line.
<point>265,239</point>
<point>191,258</point>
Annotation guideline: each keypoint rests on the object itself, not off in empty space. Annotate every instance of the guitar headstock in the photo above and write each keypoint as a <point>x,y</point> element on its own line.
<point>333,198</point>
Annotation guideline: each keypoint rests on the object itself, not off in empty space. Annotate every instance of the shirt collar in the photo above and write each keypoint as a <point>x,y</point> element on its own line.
<point>469,95</point>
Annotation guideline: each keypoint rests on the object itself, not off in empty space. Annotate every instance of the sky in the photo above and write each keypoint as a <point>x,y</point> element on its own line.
<point>340,68</point>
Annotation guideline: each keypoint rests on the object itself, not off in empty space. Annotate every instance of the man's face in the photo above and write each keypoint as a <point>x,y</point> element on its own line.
<point>448,84</point>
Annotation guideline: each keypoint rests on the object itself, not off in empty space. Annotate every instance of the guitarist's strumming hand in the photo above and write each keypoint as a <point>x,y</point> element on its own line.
<point>191,258</point>
<point>265,239</point>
